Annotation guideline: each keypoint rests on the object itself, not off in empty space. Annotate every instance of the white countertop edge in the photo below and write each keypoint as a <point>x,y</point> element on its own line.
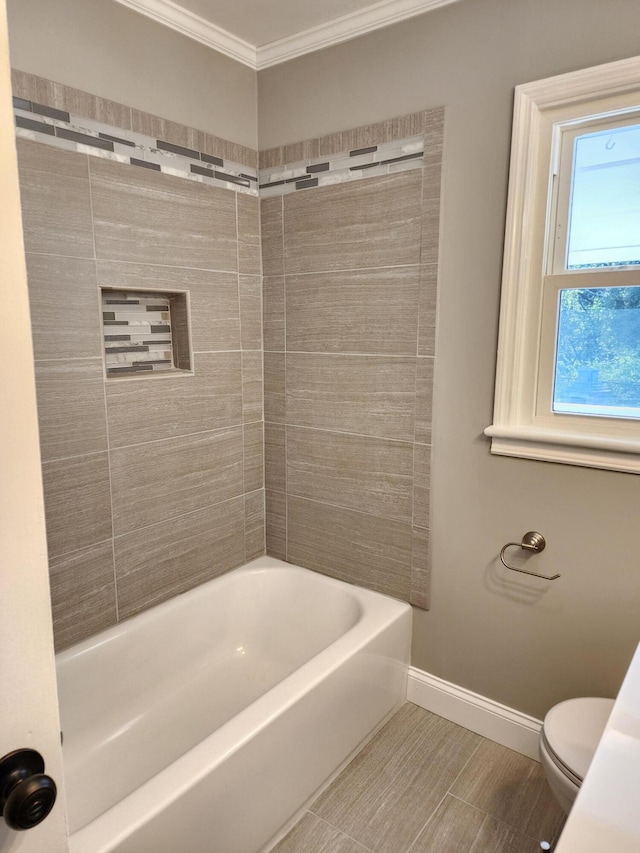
<point>606,813</point>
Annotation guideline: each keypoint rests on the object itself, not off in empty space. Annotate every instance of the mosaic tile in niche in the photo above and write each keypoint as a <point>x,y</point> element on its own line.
<point>145,332</point>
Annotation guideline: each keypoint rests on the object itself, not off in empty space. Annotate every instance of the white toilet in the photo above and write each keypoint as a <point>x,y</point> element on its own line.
<point>570,734</point>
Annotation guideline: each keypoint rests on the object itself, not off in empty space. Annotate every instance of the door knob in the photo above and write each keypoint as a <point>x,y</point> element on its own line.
<point>26,794</point>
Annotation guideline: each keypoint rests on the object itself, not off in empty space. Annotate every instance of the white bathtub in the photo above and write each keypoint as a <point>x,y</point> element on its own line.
<point>204,724</point>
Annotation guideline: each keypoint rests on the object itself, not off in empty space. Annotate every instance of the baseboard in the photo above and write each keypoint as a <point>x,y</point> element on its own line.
<point>481,715</point>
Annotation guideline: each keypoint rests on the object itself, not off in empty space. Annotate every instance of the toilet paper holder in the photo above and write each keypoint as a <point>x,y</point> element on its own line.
<point>531,541</point>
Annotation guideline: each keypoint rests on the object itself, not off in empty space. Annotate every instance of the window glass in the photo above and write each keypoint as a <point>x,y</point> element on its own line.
<point>604,213</point>
<point>597,370</point>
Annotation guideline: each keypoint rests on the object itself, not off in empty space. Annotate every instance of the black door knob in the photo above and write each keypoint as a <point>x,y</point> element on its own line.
<point>26,794</point>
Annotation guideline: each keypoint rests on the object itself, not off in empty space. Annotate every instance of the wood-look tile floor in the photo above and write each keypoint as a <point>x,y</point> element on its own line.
<point>425,785</point>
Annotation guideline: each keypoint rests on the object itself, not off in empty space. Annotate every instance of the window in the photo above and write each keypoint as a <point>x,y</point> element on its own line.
<point>568,373</point>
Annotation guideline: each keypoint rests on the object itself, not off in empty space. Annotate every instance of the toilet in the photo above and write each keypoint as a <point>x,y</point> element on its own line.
<point>570,734</point>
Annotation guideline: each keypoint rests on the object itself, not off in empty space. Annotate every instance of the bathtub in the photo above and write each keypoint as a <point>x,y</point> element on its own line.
<point>206,723</point>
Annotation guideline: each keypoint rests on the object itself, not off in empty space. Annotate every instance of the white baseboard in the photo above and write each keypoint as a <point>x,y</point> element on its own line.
<point>481,715</point>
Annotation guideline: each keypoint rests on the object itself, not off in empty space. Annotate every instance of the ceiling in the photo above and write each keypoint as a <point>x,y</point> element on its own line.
<point>261,33</point>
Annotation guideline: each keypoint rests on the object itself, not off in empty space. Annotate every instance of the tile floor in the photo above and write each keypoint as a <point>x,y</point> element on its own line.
<point>423,784</point>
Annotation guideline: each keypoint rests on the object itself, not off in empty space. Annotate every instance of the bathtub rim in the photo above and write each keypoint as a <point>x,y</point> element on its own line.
<point>258,565</point>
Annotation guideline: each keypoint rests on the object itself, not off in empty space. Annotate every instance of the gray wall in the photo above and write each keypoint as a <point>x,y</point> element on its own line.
<point>522,642</point>
<point>104,48</point>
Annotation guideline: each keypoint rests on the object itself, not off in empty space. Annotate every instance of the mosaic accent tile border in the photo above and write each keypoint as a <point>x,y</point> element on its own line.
<point>137,332</point>
<point>62,129</point>
<point>399,127</point>
<point>386,158</point>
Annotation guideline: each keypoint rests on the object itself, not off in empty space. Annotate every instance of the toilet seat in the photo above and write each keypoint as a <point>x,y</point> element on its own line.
<point>559,763</point>
<point>571,732</point>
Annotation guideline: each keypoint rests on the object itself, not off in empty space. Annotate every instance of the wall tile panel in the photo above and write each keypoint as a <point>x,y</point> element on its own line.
<point>65,308</point>
<point>372,475</point>
<point>420,567</point>
<point>276,524</point>
<point>147,409</point>
<point>148,217</point>
<point>77,502</point>
<point>159,562</point>
<point>421,484</point>
<point>349,545</point>
<point>254,525</point>
<point>366,311</point>
<point>271,224</point>
<point>275,462</point>
<point>83,594</point>
<point>71,412</point>
<point>363,224</point>
<point>273,312</point>
<point>251,311</point>
<point>253,456</point>
<point>274,387</point>
<point>249,259</point>
<point>252,386</point>
<point>160,480</point>
<point>370,395</point>
<point>56,201</point>
<point>427,310</point>
<point>424,399</point>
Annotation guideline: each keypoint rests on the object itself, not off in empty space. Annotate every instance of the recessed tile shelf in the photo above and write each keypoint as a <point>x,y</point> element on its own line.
<point>145,333</point>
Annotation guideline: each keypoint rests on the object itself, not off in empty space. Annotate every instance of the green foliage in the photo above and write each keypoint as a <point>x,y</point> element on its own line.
<point>598,350</point>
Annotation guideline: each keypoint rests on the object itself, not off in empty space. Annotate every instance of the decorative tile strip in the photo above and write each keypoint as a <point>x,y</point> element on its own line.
<point>86,136</point>
<point>74,133</point>
<point>384,159</point>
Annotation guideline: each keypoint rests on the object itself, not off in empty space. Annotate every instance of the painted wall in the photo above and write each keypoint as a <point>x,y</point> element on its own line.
<point>522,642</point>
<point>102,47</point>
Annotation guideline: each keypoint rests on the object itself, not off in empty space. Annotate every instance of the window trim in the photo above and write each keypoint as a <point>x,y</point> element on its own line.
<point>539,109</point>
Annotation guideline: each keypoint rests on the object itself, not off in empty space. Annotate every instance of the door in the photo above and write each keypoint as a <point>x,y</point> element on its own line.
<point>28,697</point>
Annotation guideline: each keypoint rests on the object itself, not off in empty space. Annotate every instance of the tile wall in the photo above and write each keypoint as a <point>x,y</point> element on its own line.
<point>155,484</point>
<point>350,286</point>
<point>152,484</point>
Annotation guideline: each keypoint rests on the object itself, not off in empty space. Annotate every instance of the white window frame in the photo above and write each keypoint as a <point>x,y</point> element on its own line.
<point>523,424</point>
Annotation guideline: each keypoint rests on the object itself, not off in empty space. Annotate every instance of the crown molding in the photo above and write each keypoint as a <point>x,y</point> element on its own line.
<point>347,27</point>
<point>197,28</point>
<point>343,29</point>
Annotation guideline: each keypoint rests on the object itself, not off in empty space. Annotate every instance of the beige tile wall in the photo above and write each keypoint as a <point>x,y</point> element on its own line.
<point>350,287</point>
<point>154,484</point>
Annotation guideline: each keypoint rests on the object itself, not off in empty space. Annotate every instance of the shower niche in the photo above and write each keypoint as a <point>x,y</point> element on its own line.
<point>145,333</point>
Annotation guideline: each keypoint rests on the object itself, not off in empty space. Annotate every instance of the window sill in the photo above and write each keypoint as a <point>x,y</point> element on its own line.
<point>613,454</point>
